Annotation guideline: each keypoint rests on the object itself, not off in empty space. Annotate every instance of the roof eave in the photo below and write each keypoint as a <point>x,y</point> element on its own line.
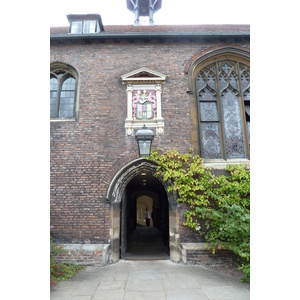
<point>202,35</point>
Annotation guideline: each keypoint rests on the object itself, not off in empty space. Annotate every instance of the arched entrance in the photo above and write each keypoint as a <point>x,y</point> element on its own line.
<point>133,189</point>
<point>140,240</point>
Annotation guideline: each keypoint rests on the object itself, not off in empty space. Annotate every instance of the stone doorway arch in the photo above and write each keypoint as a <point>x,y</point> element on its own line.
<point>116,194</point>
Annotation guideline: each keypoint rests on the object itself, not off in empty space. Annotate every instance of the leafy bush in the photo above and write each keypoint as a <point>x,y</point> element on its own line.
<point>60,271</point>
<point>222,201</point>
<point>229,222</point>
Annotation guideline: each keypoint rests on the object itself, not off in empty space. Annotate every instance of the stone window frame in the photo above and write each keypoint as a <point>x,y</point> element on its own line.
<point>229,53</point>
<point>59,67</point>
<point>141,79</point>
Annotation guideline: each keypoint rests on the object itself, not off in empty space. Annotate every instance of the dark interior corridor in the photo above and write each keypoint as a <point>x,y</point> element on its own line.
<point>138,241</point>
<point>146,243</point>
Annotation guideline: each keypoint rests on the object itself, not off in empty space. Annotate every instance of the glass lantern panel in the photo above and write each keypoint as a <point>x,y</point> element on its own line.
<point>144,147</point>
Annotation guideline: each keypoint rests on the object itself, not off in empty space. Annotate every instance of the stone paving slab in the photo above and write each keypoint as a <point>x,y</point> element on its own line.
<point>181,283</point>
<point>122,275</point>
<point>144,285</point>
<point>148,295</point>
<point>226,293</point>
<point>85,288</point>
<point>108,295</point>
<point>144,275</point>
<point>158,280</point>
<point>69,297</point>
<point>186,294</point>
<point>67,285</point>
<point>112,285</point>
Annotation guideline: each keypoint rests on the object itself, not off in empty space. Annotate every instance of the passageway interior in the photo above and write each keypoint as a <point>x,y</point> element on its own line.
<point>138,241</point>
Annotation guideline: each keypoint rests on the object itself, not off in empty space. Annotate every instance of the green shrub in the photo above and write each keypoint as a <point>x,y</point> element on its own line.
<point>60,271</point>
<point>223,201</point>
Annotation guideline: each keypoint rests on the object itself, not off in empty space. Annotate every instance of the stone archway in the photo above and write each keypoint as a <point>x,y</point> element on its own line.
<point>115,195</point>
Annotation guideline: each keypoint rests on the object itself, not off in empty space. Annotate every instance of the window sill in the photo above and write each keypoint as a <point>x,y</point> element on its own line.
<point>62,120</point>
<point>221,163</point>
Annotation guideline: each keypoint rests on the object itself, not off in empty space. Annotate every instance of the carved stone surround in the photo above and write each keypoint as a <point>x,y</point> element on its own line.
<point>114,197</point>
<point>144,86</point>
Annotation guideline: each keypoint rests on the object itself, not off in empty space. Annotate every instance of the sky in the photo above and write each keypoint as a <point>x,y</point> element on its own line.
<point>115,12</point>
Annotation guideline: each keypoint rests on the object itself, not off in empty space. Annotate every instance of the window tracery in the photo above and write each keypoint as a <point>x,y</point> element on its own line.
<point>223,93</point>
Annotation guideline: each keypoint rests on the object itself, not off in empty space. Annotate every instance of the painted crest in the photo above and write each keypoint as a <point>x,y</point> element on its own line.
<point>144,104</point>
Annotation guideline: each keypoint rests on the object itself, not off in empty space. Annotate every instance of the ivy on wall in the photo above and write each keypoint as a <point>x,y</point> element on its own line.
<point>222,201</point>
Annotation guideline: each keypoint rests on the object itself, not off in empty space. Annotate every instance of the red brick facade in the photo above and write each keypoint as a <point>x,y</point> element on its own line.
<point>88,152</point>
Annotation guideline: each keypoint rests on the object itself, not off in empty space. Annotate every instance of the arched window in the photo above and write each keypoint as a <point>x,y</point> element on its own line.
<point>222,85</point>
<point>63,92</point>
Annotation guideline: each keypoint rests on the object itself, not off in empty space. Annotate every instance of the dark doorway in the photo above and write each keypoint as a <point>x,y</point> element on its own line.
<point>139,241</point>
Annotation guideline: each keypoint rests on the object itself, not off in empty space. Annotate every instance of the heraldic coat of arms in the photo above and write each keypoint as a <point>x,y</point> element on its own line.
<point>144,105</point>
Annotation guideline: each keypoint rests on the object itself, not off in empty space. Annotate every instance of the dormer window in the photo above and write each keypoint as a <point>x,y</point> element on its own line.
<point>78,27</point>
<point>85,24</point>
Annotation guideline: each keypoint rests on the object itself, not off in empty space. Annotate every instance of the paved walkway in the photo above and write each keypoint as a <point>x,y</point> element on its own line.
<point>155,280</point>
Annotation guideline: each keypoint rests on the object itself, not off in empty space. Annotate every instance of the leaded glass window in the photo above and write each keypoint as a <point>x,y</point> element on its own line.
<point>62,95</point>
<point>232,123</point>
<point>224,109</point>
<point>53,96</point>
<point>245,83</point>
<point>67,96</point>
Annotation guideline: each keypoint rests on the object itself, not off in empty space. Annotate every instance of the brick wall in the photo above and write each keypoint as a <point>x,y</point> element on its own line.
<point>87,153</point>
<point>86,254</point>
<point>206,257</point>
<point>198,253</point>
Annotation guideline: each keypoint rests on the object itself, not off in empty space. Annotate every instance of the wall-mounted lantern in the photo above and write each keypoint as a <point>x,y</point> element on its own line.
<point>144,139</point>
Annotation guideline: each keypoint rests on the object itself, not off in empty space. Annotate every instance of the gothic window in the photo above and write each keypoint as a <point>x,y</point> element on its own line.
<point>63,92</point>
<point>223,93</point>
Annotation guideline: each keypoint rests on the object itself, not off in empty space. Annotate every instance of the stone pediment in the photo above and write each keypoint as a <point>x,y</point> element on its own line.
<point>143,75</point>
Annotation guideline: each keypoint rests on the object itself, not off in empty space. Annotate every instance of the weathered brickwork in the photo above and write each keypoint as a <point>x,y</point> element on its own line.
<point>206,257</point>
<point>87,153</point>
<point>87,254</point>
